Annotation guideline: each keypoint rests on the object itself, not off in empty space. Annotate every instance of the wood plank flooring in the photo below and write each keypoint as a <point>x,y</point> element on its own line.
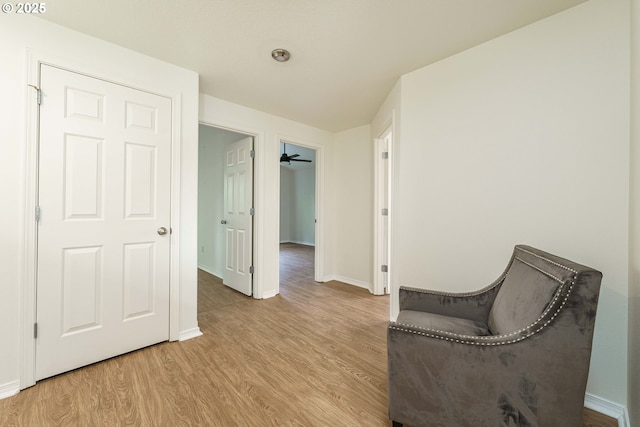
<point>313,356</point>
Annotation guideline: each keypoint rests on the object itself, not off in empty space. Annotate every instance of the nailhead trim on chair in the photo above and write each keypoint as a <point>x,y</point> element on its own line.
<point>454,294</point>
<point>549,261</point>
<point>460,338</point>
<point>500,279</point>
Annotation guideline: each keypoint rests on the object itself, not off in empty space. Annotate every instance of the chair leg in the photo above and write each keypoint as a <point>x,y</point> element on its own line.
<point>395,424</point>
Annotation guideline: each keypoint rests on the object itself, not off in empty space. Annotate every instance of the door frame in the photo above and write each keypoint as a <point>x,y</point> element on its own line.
<point>31,167</point>
<point>318,261</point>
<point>380,187</point>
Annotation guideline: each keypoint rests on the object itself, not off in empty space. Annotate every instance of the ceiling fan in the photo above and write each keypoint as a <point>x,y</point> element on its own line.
<point>290,158</point>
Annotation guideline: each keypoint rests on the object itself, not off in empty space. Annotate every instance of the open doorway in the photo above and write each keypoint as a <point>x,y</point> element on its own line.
<point>298,218</point>
<point>225,209</point>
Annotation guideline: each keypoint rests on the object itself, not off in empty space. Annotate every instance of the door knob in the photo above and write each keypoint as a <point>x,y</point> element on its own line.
<point>224,221</point>
<point>162,231</point>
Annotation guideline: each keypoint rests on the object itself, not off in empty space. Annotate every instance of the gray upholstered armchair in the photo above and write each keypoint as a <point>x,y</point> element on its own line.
<point>515,353</point>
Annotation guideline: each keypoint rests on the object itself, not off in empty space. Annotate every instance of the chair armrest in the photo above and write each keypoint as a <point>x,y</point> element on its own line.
<point>468,305</point>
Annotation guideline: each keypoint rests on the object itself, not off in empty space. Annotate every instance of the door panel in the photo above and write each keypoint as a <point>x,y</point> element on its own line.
<point>81,289</point>
<point>82,187</point>
<point>238,201</point>
<point>140,183</point>
<point>138,286</point>
<point>103,190</point>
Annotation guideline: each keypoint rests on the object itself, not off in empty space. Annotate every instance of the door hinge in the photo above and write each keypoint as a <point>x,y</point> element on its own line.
<point>384,268</point>
<point>37,213</point>
<point>252,153</point>
<point>251,270</point>
<point>38,94</point>
<point>385,211</point>
<point>252,211</point>
<point>35,330</point>
<point>385,155</point>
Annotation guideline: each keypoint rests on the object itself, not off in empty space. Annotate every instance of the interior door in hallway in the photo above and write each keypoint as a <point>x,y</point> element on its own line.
<point>104,227</point>
<point>238,219</point>
<point>382,227</point>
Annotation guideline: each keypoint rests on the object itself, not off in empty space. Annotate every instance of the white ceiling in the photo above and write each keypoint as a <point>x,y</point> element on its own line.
<point>346,55</point>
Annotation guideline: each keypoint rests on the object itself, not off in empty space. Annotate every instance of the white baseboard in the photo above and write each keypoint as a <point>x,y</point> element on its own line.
<point>209,270</point>
<point>608,408</point>
<point>9,389</point>
<point>349,281</point>
<point>269,294</point>
<point>297,242</point>
<point>189,333</point>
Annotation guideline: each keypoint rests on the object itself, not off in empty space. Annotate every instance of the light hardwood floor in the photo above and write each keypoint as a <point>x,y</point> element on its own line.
<point>312,356</point>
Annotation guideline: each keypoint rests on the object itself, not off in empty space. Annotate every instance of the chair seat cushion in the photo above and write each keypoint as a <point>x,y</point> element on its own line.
<point>441,323</point>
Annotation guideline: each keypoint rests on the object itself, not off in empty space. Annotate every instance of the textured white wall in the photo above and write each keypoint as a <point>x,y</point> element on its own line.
<point>524,139</point>
<point>22,34</point>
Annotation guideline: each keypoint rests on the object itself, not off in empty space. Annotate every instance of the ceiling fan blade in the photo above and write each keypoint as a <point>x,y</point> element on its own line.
<point>294,155</point>
<point>299,160</point>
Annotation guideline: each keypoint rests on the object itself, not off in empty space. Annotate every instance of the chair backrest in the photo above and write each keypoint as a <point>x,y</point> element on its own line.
<point>532,282</point>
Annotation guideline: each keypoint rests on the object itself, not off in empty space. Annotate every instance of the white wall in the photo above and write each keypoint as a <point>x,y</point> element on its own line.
<point>286,204</point>
<point>304,206</point>
<point>298,205</point>
<point>211,240</point>
<point>66,47</point>
<point>353,216</point>
<point>634,255</point>
<point>269,130</point>
<point>389,114</point>
<point>524,139</point>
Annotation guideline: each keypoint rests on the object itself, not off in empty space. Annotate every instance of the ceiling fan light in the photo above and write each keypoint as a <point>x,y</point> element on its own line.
<point>280,55</point>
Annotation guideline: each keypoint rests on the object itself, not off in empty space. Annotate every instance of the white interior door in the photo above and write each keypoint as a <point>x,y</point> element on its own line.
<point>382,215</point>
<point>238,221</point>
<point>104,198</point>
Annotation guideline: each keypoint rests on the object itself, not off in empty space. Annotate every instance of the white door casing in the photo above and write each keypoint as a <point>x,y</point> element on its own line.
<point>382,214</point>
<point>104,197</point>
<point>238,220</point>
